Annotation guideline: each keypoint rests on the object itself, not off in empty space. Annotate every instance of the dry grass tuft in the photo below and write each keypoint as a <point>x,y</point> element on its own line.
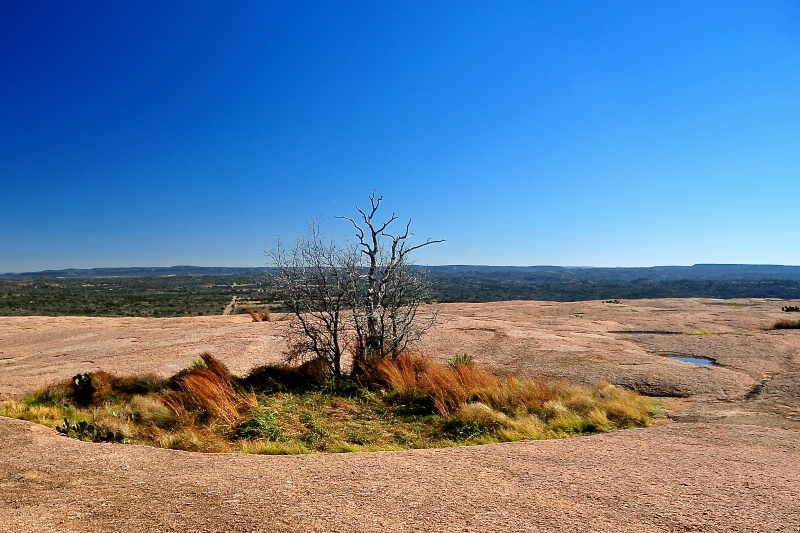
<point>478,403</point>
<point>192,439</point>
<point>53,394</point>
<point>260,316</point>
<point>444,388</point>
<point>151,410</point>
<point>216,367</point>
<point>212,395</point>
<point>402,375</point>
<point>102,385</point>
<point>787,324</point>
<point>140,384</point>
<point>511,395</point>
<point>41,414</point>
<point>623,407</point>
<point>450,386</point>
<point>483,415</point>
<point>120,425</point>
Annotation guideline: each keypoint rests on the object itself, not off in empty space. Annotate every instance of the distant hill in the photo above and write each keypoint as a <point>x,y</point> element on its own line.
<point>467,283</point>
<point>556,274</point>
<point>534,274</point>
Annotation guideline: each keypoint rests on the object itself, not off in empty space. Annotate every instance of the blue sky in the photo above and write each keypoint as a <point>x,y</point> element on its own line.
<point>144,133</point>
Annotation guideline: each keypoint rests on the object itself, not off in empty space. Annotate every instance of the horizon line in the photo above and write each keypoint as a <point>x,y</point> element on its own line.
<point>54,270</point>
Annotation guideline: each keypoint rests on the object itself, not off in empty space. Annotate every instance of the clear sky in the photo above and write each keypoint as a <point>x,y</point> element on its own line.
<point>596,133</point>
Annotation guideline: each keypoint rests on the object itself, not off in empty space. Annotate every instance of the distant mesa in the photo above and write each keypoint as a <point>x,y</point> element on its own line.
<point>536,274</point>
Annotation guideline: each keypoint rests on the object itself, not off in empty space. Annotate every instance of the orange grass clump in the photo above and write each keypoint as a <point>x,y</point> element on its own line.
<point>450,387</point>
<point>102,385</point>
<point>207,391</point>
<point>260,316</point>
<point>216,366</point>
<point>401,374</point>
<point>211,390</point>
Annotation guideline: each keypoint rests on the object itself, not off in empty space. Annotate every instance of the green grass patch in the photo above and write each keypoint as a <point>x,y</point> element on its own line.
<point>409,402</point>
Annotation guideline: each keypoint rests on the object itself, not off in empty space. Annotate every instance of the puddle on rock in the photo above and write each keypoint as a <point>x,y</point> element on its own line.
<point>703,361</point>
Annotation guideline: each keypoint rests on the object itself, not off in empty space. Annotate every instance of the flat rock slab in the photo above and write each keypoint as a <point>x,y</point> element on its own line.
<point>730,460</point>
<point>681,477</point>
<point>35,351</point>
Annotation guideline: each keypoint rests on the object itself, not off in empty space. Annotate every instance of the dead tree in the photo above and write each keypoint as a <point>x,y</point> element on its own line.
<point>386,289</point>
<point>362,298</point>
<point>313,279</point>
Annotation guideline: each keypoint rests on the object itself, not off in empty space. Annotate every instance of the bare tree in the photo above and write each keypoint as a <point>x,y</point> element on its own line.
<point>363,298</point>
<point>313,279</point>
<point>388,290</point>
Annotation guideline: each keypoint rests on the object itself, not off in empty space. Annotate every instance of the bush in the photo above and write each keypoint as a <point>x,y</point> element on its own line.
<point>311,375</point>
<point>787,324</point>
<point>92,388</point>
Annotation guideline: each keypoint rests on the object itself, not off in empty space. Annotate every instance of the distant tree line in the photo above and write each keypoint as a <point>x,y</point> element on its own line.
<point>162,296</point>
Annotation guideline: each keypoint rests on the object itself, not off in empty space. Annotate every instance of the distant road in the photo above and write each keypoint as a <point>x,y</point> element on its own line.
<point>230,307</point>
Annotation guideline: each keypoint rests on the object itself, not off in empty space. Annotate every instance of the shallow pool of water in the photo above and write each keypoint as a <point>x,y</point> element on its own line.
<point>694,360</point>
